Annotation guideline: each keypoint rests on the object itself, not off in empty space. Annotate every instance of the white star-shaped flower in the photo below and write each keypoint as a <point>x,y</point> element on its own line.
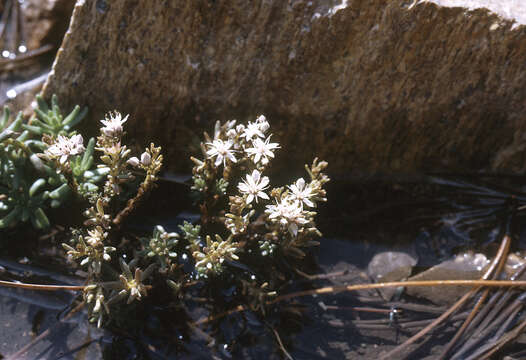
<point>221,150</point>
<point>301,192</point>
<point>65,147</point>
<point>289,213</point>
<point>251,130</point>
<point>262,150</point>
<point>113,125</point>
<point>254,186</point>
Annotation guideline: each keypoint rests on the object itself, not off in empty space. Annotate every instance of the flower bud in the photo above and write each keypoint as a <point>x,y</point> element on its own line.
<point>133,161</point>
<point>231,133</point>
<point>146,159</point>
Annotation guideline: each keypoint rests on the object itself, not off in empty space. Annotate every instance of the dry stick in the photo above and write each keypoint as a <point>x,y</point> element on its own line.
<point>474,340</point>
<point>479,351</point>
<point>324,290</point>
<point>503,250</point>
<point>52,287</point>
<point>416,307</point>
<point>506,324</point>
<point>491,310</point>
<point>483,313</point>
<point>321,276</point>
<point>512,335</point>
<point>493,307</point>
<point>21,31</point>
<point>336,289</point>
<point>495,311</point>
<point>469,323</point>
<point>41,287</point>
<point>479,303</point>
<point>465,324</point>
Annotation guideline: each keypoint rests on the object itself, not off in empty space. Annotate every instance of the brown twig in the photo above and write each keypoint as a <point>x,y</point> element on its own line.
<point>41,287</point>
<point>336,289</point>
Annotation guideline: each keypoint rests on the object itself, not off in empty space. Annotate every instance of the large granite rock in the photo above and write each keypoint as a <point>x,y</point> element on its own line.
<point>369,85</point>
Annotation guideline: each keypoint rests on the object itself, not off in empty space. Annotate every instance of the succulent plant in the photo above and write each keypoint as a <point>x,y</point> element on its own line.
<point>243,218</point>
<point>29,181</point>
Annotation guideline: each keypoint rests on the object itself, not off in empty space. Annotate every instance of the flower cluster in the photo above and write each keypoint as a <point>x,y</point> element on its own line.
<point>64,147</point>
<point>257,214</point>
<point>113,125</point>
<point>245,140</point>
<point>92,245</point>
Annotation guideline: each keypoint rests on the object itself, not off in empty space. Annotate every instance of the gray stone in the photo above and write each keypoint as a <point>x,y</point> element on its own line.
<point>466,266</point>
<point>390,266</point>
<point>371,86</point>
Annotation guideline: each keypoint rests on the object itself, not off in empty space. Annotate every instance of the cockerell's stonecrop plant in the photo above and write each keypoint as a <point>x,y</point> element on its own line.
<point>242,218</point>
<point>92,245</point>
<point>237,196</point>
<point>245,223</point>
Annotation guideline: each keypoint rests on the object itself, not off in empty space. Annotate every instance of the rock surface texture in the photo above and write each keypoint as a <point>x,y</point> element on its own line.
<point>369,85</point>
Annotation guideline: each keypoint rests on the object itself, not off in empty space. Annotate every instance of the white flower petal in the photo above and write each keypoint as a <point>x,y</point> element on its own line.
<point>263,195</point>
<point>218,161</point>
<point>308,202</point>
<point>264,181</point>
